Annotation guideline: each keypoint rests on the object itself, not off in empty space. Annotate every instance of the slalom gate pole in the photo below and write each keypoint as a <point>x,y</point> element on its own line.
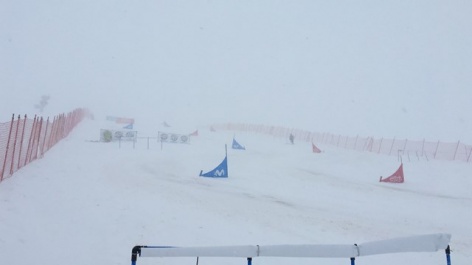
<point>448,255</point>
<point>353,261</point>
<point>249,261</point>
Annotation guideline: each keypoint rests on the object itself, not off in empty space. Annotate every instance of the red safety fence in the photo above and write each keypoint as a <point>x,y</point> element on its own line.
<point>25,140</point>
<point>397,147</point>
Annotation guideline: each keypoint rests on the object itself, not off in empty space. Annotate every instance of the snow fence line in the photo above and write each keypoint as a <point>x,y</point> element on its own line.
<point>456,151</point>
<point>421,243</point>
<point>25,140</point>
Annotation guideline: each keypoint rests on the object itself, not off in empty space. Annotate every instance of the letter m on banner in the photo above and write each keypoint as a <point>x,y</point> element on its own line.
<point>220,173</point>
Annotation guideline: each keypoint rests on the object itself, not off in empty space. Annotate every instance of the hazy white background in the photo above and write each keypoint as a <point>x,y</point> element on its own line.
<point>375,68</point>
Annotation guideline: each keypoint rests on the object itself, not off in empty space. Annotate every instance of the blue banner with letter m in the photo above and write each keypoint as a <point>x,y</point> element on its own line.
<point>221,171</point>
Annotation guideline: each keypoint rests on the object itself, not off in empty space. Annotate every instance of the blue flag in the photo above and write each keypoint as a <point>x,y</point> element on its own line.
<point>221,171</point>
<point>236,145</point>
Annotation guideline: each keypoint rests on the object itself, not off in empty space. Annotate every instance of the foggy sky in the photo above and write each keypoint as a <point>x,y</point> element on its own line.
<point>374,68</point>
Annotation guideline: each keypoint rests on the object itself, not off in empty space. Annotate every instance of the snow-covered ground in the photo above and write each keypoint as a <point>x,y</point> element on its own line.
<point>87,202</point>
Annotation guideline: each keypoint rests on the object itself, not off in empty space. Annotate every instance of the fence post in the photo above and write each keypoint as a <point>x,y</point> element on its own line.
<point>53,133</point>
<point>56,130</point>
<point>380,145</point>
<point>44,138</point>
<point>371,145</point>
<point>422,148</point>
<point>12,164</point>
<point>60,127</point>
<point>30,144</point>
<point>38,137</point>
<point>455,153</point>
<point>21,145</point>
<point>8,144</point>
<point>398,154</point>
<point>435,152</point>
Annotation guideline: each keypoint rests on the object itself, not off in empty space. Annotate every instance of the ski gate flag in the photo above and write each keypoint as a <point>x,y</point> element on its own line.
<point>315,149</point>
<point>396,177</point>
<point>237,146</point>
<point>195,133</point>
<point>221,171</point>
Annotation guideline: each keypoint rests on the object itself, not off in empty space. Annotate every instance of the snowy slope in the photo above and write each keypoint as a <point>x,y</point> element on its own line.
<point>89,203</point>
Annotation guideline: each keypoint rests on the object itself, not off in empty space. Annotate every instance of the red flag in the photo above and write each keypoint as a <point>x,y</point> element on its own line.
<point>315,149</point>
<point>396,177</point>
<point>195,133</point>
